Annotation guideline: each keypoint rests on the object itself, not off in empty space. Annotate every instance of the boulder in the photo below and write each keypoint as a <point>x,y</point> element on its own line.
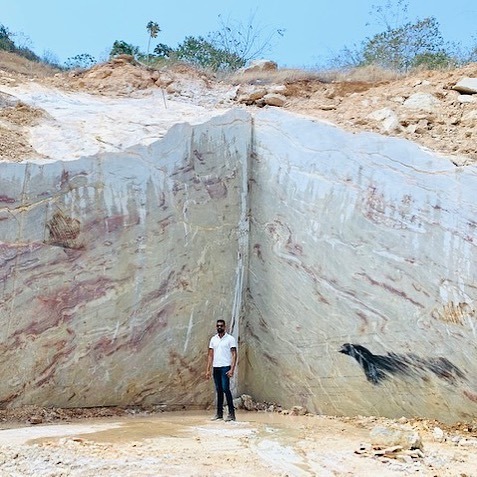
<point>274,99</point>
<point>469,118</point>
<point>387,118</point>
<point>438,434</point>
<point>298,411</point>
<point>238,403</point>
<point>247,402</point>
<point>466,98</point>
<point>260,65</point>
<point>278,89</point>
<point>395,435</point>
<point>466,85</point>
<point>250,94</point>
<point>422,102</point>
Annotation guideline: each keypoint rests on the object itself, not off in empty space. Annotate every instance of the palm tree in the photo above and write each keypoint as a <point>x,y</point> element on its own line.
<point>153,29</point>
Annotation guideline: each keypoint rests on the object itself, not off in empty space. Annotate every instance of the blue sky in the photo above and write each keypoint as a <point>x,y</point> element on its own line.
<point>315,29</point>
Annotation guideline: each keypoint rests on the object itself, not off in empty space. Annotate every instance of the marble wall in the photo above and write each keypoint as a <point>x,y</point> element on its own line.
<point>115,267</point>
<point>353,286</point>
<point>363,274</point>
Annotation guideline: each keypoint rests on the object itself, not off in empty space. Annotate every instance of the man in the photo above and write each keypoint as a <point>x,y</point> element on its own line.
<point>222,357</point>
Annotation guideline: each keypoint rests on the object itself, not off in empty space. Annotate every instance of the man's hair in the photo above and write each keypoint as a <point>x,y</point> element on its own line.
<point>220,321</point>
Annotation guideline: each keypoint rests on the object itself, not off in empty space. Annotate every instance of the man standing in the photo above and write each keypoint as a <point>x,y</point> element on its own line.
<point>222,357</point>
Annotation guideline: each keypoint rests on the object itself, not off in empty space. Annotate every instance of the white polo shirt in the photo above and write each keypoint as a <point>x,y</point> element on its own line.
<point>222,350</point>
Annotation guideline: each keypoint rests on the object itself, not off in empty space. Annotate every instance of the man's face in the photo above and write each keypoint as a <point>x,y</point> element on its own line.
<point>220,327</point>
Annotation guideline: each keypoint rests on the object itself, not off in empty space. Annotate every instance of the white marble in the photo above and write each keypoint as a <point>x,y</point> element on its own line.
<point>78,124</point>
<point>367,240</point>
<point>115,267</point>
<point>345,264</point>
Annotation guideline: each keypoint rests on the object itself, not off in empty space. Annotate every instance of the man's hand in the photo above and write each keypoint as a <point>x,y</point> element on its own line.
<point>230,373</point>
<point>207,374</point>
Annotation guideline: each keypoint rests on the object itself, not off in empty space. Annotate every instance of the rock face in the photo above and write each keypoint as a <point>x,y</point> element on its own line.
<point>363,271</point>
<point>355,281</point>
<point>114,266</point>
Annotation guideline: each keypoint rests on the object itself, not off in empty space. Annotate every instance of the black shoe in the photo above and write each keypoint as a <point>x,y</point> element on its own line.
<point>217,418</point>
<point>230,417</point>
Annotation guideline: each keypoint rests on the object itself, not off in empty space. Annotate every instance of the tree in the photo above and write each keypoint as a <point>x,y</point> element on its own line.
<point>6,43</point>
<point>397,48</point>
<point>229,48</point>
<point>163,51</point>
<point>434,61</point>
<point>153,29</point>
<point>347,57</point>
<point>123,48</point>
<point>247,41</point>
<point>50,58</point>
<point>467,54</point>
<point>200,52</point>
<point>392,14</point>
<point>81,61</point>
<point>403,44</point>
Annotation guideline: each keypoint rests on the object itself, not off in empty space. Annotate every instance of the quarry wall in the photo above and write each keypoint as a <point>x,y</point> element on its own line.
<point>363,273</point>
<point>344,263</point>
<point>113,268</point>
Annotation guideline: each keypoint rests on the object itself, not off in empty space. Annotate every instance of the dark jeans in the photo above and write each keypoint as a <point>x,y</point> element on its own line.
<point>222,386</point>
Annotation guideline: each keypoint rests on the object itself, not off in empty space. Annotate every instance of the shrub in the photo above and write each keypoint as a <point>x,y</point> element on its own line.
<point>433,61</point>
<point>163,51</point>
<point>81,61</point>
<point>200,52</point>
<point>6,43</point>
<point>398,48</point>
<point>122,48</point>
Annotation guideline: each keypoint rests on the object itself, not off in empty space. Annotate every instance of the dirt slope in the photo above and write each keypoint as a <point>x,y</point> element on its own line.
<point>447,125</point>
<point>422,107</point>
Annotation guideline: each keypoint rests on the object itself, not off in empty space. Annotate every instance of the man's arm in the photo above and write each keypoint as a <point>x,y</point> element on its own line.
<point>234,362</point>
<point>210,357</point>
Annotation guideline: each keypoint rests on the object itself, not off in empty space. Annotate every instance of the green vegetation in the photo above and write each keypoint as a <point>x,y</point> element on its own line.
<point>81,61</point>
<point>403,44</point>
<point>122,48</point>
<point>411,44</point>
<point>153,29</point>
<point>201,52</point>
<point>226,49</point>
<point>7,44</point>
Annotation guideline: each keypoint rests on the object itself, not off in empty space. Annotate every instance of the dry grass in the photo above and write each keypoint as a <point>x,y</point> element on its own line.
<point>364,74</point>
<point>367,74</point>
<point>11,63</point>
<point>279,76</point>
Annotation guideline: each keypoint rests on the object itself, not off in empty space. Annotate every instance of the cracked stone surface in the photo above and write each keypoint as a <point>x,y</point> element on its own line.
<point>362,273</point>
<point>351,290</point>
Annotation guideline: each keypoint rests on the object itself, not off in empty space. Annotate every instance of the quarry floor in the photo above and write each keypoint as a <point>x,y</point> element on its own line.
<point>188,443</point>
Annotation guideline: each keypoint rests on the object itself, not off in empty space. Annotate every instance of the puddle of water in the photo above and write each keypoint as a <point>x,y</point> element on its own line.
<point>136,431</point>
<point>132,429</point>
<point>171,424</point>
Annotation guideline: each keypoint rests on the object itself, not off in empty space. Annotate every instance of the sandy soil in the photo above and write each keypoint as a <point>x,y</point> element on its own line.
<point>257,444</point>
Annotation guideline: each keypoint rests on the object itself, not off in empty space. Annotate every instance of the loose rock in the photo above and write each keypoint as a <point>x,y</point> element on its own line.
<point>396,435</point>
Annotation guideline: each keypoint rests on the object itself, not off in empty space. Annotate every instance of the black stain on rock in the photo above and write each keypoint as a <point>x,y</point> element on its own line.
<point>377,367</point>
